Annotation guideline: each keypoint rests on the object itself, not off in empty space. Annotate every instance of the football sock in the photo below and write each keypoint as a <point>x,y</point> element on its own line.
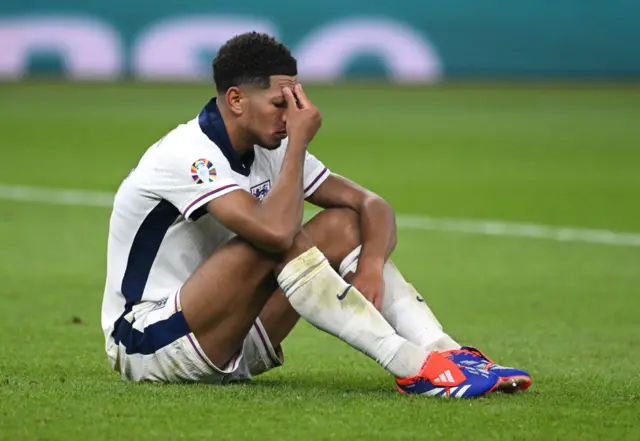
<point>318,293</point>
<point>405,309</point>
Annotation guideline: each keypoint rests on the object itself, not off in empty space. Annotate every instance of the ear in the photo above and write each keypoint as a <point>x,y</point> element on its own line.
<point>233,99</point>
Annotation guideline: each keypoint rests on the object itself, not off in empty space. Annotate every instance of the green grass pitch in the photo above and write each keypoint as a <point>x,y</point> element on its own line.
<point>568,312</point>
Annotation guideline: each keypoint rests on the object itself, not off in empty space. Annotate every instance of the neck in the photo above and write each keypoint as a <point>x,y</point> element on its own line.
<point>239,140</point>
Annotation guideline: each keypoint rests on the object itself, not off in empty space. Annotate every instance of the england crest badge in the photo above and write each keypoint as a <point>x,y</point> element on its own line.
<point>261,190</point>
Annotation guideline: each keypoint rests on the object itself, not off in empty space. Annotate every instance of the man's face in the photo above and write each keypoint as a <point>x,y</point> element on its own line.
<point>266,112</point>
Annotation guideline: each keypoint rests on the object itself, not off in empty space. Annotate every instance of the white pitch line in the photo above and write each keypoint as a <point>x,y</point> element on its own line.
<point>529,230</point>
<point>83,198</point>
<point>90,198</point>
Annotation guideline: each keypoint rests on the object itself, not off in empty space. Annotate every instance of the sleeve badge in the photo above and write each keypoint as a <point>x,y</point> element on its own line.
<point>203,171</point>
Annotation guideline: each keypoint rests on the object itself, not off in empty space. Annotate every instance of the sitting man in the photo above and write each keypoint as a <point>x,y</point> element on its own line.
<point>210,265</point>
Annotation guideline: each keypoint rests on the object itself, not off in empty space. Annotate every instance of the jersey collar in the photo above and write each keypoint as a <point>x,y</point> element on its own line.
<point>212,125</point>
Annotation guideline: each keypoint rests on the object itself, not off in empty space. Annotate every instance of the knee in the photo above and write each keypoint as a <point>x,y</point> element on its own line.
<point>336,232</point>
<point>344,224</point>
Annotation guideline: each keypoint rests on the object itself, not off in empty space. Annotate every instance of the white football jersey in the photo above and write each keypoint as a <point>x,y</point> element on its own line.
<point>160,231</point>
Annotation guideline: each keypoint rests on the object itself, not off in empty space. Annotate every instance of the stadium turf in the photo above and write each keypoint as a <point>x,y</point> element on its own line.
<point>567,311</point>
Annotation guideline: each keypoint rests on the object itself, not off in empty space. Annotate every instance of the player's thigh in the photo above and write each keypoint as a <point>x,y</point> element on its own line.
<point>229,291</point>
<point>223,297</point>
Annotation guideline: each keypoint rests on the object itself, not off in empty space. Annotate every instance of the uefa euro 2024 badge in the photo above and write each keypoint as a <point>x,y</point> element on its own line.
<point>203,171</point>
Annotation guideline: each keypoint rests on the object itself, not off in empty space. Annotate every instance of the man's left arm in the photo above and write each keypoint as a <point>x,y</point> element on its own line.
<point>377,230</point>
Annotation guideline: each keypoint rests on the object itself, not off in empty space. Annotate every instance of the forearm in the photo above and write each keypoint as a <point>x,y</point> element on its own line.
<point>284,203</point>
<point>378,234</point>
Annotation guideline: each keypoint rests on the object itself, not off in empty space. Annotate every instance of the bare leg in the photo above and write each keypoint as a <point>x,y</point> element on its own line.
<point>223,297</point>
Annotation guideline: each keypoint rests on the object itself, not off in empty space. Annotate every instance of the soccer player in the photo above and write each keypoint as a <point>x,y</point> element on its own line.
<point>210,266</point>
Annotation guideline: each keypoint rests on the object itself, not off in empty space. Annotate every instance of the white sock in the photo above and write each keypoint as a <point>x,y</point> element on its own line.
<point>405,309</point>
<point>326,301</point>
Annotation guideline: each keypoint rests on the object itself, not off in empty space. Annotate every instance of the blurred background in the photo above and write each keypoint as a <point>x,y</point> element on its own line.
<point>401,41</point>
<point>506,135</point>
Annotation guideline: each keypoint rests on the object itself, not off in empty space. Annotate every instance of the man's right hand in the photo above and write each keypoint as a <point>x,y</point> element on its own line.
<point>303,118</point>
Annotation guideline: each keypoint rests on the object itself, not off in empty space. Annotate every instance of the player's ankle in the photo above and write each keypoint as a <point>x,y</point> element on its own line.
<point>439,342</point>
<point>408,361</point>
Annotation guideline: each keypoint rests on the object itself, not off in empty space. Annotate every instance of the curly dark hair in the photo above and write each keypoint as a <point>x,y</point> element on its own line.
<point>251,58</point>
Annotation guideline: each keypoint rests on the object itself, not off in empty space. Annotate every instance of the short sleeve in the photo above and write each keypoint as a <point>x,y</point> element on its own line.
<point>314,174</point>
<point>193,177</point>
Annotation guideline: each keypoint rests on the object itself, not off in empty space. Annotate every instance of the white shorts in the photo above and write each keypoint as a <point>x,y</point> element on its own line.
<point>154,343</point>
